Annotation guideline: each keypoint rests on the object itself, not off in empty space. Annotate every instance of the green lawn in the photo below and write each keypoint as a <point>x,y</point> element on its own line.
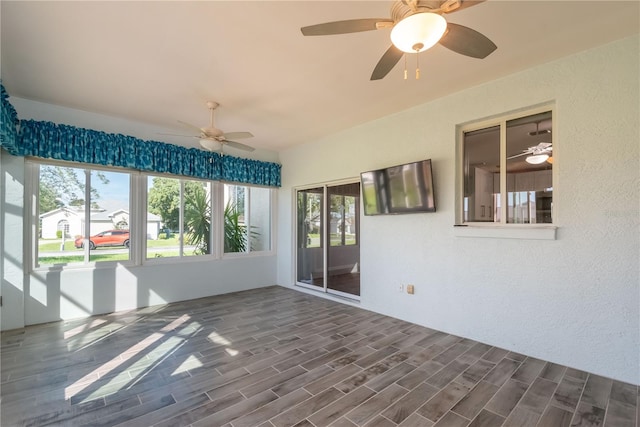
<point>49,260</point>
<point>54,246</point>
<point>77,255</point>
<point>45,245</point>
<point>173,241</point>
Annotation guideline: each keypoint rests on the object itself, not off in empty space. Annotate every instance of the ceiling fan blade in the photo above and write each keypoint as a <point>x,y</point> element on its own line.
<point>238,145</point>
<point>189,125</point>
<point>518,155</point>
<point>540,132</point>
<point>238,135</point>
<point>344,27</point>
<point>387,62</point>
<point>466,41</point>
<point>175,134</point>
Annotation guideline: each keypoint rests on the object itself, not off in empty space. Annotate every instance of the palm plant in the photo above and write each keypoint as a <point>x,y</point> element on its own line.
<point>197,215</point>
<point>235,232</point>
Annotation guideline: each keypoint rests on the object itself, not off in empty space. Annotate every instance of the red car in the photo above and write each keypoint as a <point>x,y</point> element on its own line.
<point>106,238</point>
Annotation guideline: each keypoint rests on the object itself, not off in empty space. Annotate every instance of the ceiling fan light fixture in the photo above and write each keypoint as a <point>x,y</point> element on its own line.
<point>537,159</point>
<point>210,144</point>
<point>418,32</point>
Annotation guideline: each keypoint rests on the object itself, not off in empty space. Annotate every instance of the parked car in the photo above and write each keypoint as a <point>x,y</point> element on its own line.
<point>105,238</point>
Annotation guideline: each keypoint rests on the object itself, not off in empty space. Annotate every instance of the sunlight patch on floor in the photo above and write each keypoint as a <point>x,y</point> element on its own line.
<point>83,328</point>
<point>218,339</point>
<point>231,352</point>
<point>192,362</point>
<point>86,382</point>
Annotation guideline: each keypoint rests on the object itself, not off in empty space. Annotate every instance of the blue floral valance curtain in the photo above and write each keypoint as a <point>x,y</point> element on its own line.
<point>63,142</point>
<point>8,121</point>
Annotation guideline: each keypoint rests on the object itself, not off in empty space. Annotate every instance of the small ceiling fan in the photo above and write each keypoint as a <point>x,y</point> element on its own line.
<point>211,138</point>
<point>416,25</point>
<point>536,154</point>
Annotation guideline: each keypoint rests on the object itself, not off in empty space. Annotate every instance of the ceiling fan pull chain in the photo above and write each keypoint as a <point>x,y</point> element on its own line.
<point>405,67</point>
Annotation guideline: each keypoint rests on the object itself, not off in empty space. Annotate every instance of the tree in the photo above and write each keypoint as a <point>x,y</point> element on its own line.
<point>65,186</point>
<point>197,216</point>
<point>235,232</point>
<point>164,199</point>
<point>48,198</point>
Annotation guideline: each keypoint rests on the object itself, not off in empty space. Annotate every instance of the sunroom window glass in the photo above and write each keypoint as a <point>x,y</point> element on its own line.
<point>196,224</point>
<point>481,175</point>
<point>60,201</point>
<point>163,205</point>
<point>247,218</point>
<point>77,225</point>
<point>235,219</point>
<point>109,207</point>
<point>259,219</point>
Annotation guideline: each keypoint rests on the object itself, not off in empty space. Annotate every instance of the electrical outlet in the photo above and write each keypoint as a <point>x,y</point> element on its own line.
<point>410,289</point>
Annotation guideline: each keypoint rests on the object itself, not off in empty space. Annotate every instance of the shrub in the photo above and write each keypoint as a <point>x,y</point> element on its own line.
<point>59,234</point>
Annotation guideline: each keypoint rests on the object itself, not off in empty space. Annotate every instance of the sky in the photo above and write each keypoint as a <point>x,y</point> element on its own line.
<point>115,194</point>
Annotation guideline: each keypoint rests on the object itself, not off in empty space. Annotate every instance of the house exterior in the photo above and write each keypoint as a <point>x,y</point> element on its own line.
<point>71,221</point>
<point>68,219</point>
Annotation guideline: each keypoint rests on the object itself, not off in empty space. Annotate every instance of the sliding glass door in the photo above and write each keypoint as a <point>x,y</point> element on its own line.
<point>328,240</point>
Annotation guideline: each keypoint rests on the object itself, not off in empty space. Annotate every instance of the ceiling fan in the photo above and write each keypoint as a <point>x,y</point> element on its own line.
<point>211,138</point>
<point>536,154</point>
<point>416,25</point>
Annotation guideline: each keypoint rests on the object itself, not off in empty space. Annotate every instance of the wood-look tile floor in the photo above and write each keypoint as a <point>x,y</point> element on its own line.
<point>274,357</point>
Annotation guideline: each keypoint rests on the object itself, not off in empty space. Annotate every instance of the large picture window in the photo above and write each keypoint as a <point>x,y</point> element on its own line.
<point>178,217</point>
<point>83,215</point>
<point>507,170</point>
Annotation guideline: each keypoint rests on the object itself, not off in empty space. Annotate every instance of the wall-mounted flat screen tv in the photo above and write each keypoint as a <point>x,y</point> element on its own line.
<point>399,189</point>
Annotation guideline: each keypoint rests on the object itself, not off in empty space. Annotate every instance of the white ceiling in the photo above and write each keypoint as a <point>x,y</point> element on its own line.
<point>157,62</point>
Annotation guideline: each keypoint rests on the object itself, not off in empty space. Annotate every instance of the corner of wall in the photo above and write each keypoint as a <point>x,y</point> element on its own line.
<point>11,241</point>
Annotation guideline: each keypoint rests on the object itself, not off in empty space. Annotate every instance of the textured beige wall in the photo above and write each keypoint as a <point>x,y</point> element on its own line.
<point>573,300</point>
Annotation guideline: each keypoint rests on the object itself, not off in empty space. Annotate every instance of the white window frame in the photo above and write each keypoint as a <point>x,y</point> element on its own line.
<point>137,219</point>
<point>32,187</point>
<point>215,253</point>
<point>503,229</point>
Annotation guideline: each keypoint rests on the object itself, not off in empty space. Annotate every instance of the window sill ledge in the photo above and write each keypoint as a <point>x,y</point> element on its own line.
<point>529,232</point>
